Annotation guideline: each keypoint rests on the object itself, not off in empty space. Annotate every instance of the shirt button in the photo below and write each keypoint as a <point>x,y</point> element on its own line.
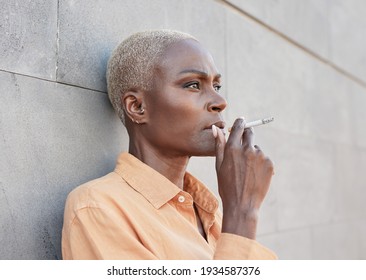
<point>181,198</point>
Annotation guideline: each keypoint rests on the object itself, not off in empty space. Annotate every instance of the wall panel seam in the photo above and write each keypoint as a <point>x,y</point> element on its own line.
<point>57,38</point>
<point>294,43</point>
<point>51,81</point>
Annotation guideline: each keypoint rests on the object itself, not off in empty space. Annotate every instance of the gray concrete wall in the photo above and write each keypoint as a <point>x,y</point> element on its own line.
<point>302,62</point>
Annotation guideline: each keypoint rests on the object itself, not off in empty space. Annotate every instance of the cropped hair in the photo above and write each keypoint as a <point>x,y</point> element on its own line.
<point>131,65</point>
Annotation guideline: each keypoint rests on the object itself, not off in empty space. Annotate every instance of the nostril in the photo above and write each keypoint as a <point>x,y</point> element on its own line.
<point>216,109</point>
<point>218,104</point>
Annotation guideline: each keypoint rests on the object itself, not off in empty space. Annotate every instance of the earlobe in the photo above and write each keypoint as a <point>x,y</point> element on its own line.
<point>133,103</point>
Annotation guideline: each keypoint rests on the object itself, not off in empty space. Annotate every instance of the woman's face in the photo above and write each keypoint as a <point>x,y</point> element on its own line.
<point>185,102</point>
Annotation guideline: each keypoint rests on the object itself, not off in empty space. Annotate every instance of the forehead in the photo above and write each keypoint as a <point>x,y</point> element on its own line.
<point>186,54</point>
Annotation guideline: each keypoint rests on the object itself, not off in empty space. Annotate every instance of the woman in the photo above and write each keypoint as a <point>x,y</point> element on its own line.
<point>165,88</point>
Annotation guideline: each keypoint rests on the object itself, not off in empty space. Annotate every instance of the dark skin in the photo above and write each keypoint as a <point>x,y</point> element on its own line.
<point>173,121</point>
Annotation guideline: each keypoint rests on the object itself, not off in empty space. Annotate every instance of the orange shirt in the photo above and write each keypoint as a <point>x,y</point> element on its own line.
<point>137,213</point>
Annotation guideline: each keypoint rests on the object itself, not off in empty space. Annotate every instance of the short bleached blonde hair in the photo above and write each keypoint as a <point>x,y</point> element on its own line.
<point>131,65</point>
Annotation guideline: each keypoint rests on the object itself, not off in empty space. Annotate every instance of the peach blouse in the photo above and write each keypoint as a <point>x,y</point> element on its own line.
<point>135,213</point>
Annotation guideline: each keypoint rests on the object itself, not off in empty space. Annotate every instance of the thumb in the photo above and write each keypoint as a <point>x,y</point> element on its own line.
<point>219,145</point>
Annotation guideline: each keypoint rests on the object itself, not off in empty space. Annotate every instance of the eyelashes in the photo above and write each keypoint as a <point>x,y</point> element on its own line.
<point>192,85</point>
<point>217,87</point>
<point>197,86</point>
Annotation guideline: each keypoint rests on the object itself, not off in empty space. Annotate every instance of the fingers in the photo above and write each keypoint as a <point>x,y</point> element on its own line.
<point>219,145</point>
<point>236,133</point>
<point>269,162</point>
<point>248,138</point>
<point>241,137</point>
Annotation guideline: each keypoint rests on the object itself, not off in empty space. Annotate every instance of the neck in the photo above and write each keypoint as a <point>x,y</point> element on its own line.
<point>172,167</point>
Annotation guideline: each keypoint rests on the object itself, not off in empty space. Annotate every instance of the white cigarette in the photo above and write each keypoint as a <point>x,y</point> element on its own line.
<point>259,122</point>
<point>256,123</point>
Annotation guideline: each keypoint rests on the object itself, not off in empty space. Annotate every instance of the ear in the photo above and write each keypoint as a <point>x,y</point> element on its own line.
<point>133,102</point>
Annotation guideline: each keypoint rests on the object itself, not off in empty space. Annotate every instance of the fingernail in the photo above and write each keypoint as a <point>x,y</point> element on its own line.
<point>214,131</point>
<point>242,124</point>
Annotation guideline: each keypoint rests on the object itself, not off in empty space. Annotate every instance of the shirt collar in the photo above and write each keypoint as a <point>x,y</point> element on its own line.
<point>202,196</point>
<point>157,189</point>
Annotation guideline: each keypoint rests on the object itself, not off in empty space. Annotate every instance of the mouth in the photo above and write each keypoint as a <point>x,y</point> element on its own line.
<point>219,124</point>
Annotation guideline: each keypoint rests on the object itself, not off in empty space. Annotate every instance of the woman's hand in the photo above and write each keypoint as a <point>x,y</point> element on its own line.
<point>244,174</point>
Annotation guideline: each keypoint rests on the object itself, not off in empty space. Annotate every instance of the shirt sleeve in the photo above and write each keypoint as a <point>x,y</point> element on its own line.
<point>96,233</point>
<point>234,247</point>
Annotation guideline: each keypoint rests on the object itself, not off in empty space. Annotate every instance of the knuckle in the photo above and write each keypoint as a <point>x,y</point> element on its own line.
<point>218,145</point>
<point>260,154</point>
<point>232,145</point>
<point>268,160</point>
<point>269,164</point>
<point>250,153</point>
<point>232,149</point>
<point>249,130</point>
<point>249,133</point>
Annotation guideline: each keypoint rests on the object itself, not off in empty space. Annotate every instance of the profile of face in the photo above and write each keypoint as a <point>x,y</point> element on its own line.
<point>184,102</point>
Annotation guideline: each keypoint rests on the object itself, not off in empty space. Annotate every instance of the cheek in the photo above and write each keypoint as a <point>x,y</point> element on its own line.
<point>181,122</point>
<point>178,126</point>
<point>177,111</point>
<point>186,120</point>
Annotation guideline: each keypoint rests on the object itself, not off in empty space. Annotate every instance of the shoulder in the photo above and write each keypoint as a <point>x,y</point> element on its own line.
<point>97,193</point>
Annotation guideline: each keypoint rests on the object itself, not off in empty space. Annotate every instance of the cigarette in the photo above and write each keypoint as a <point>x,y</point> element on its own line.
<point>256,123</point>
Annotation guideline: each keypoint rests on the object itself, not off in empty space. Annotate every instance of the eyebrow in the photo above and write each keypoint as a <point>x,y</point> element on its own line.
<point>199,72</point>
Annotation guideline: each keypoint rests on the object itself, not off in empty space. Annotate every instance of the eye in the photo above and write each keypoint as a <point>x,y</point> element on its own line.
<point>217,87</point>
<point>192,85</point>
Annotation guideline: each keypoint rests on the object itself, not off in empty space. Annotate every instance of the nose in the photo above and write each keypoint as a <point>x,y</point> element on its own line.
<point>217,103</point>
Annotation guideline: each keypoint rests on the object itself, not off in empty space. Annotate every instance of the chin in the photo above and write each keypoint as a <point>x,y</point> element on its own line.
<point>204,153</point>
<point>201,148</point>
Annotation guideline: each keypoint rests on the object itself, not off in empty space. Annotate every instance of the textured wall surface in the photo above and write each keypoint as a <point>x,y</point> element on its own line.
<point>302,62</point>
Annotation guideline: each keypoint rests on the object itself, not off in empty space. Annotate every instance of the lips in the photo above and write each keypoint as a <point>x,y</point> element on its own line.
<point>219,124</point>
